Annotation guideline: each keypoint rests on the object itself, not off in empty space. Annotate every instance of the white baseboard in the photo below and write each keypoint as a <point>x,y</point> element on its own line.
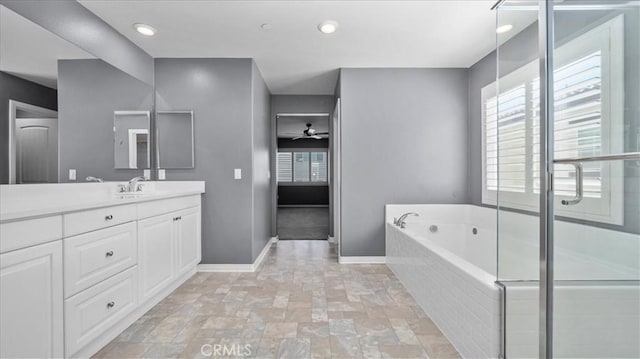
<point>265,250</point>
<point>362,260</point>
<point>239,267</point>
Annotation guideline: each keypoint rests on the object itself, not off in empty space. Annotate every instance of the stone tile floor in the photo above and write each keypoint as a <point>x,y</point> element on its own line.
<point>300,304</point>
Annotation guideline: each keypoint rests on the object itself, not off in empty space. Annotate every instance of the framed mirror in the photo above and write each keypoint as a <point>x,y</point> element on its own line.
<point>174,139</point>
<point>131,141</point>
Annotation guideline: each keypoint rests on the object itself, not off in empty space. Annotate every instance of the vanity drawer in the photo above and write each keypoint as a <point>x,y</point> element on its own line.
<point>86,221</point>
<point>22,234</point>
<point>92,257</point>
<point>89,313</point>
<point>155,208</point>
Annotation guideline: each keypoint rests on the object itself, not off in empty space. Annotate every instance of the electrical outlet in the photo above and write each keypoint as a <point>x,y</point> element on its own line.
<point>237,173</point>
<point>162,175</point>
<point>72,175</point>
<point>147,174</point>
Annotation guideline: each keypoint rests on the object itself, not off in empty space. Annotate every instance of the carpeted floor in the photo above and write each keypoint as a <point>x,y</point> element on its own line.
<point>303,223</point>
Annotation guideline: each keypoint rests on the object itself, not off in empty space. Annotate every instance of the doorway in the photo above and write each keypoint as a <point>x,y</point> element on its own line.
<point>303,176</point>
<point>33,144</point>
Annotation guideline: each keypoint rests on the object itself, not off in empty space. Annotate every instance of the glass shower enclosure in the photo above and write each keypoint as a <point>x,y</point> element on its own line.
<point>561,141</point>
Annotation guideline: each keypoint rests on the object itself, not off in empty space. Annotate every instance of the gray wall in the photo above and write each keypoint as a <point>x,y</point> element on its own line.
<point>413,150</point>
<point>15,88</point>
<point>220,94</point>
<point>522,49</point>
<point>89,91</point>
<point>261,106</point>
<point>291,104</point>
<point>64,17</point>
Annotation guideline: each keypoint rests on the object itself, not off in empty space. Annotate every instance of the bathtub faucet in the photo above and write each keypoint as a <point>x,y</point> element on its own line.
<point>400,221</point>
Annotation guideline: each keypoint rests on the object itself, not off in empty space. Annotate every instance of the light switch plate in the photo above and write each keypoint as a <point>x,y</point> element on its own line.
<point>72,174</point>
<point>162,175</point>
<point>237,173</point>
<point>147,174</point>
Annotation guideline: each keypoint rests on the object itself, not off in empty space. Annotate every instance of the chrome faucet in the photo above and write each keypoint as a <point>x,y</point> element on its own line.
<point>93,179</point>
<point>400,221</point>
<point>133,184</point>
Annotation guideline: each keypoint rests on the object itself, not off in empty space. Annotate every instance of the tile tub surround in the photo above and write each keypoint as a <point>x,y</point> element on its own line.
<point>463,302</point>
<point>300,304</point>
<point>36,200</point>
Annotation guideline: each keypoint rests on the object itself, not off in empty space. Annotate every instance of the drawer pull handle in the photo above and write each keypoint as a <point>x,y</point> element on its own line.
<point>109,217</point>
<point>177,218</point>
<point>111,305</point>
<point>109,254</point>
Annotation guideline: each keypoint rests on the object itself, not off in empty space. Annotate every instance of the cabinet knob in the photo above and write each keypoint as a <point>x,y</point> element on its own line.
<point>109,217</point>
<point>109,254</point>
<point>111,305</point>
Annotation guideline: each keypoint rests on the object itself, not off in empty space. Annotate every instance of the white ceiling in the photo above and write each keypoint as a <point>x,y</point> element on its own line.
<point>292,126</point>
<point>31,52</point>
<point>294,57</point>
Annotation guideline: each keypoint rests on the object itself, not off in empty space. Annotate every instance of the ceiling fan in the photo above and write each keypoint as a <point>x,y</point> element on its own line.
<point>310,133</point>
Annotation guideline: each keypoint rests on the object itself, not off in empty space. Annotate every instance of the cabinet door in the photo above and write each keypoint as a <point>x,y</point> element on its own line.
<point>31,302</point>
<point>156,253</point>
<point>188,239</point>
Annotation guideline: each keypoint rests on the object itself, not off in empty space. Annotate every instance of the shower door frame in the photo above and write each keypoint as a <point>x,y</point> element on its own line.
<point>545,48</point>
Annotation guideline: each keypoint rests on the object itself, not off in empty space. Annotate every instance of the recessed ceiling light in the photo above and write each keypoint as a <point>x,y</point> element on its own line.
<point>144,29</point>
<point>504,28</point>
<point>328,27</point>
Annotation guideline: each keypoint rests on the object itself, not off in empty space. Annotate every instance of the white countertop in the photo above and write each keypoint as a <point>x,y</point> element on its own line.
<point>19,202</point>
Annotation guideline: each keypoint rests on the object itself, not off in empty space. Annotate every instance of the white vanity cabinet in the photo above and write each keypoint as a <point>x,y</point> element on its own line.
<point>157,254</point>
<point>187,231</point>
<point>72,280</point>
<point>31,302</point>
<point>168,244</point>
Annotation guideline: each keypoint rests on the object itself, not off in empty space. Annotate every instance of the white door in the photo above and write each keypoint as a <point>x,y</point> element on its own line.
<point>188,239</point>
<point>337,180</point>
<point>31,302</point>
<point>155,254</point>
<point>36,150</point>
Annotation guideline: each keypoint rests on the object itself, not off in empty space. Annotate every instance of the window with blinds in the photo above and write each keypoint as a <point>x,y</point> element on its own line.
<point>318,167</point>
<point>302,166</point>
<point>588,119</point>
<point>284,169</point>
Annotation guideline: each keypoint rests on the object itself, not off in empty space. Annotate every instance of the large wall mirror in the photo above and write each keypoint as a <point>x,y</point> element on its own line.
<point>59,105</point>
<point>175,139</point>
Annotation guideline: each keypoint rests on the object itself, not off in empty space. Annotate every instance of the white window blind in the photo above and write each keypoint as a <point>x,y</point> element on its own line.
<point>508,124</point>
<point>588,121</point>
<point>578,124</point>
<point>285,171</point>
<point>301,167</point>
<point>318,166</point>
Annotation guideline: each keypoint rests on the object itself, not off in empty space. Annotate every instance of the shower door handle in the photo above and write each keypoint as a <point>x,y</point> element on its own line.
<point>579,181</point>
<point>577,163</point>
